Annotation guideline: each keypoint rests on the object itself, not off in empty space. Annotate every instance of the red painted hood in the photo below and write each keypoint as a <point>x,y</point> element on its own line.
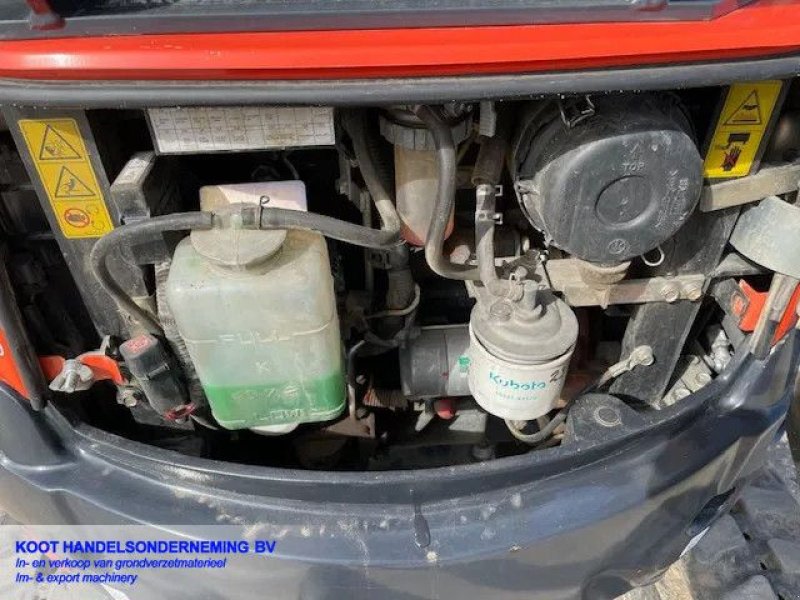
<point>763,28</point>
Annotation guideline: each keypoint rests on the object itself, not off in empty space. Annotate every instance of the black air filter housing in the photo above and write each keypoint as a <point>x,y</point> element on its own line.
<point>614,185</point>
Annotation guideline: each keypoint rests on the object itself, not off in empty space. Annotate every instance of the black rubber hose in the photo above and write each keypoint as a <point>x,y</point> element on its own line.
<point>446,165</point>
<point>374,174</point>
<point>126,236</point>
<point>358,235</point>
<point>377,174</point>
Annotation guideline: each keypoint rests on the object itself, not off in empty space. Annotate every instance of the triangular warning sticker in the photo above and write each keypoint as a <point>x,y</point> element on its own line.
<point>69,186</point>
<point>56,147</point>
<point>747,113</point>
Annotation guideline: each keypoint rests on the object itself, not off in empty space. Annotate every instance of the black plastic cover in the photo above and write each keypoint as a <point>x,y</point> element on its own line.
<point>612,185</point>
<point>154,369</point>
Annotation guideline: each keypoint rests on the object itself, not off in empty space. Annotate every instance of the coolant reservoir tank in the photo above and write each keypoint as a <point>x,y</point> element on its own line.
<point>258,314</point>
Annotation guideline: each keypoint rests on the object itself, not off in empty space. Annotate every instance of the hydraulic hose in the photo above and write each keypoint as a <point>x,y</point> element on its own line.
<point>445,198</point>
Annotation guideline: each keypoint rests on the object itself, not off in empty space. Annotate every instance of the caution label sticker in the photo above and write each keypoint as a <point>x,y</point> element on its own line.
<point>741,128</point>
<point>60,157</point>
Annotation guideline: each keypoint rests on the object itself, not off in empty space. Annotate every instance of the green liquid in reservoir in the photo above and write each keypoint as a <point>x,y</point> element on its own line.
<point>242,407</point>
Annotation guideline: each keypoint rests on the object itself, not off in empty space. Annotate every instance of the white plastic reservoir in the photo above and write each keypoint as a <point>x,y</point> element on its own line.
<point>263,335</point>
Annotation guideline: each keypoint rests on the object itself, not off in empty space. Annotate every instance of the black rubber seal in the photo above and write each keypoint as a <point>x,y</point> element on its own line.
<point>371,92</point>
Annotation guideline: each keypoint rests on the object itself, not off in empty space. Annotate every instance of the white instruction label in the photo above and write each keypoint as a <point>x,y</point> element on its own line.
<point>206,129</point>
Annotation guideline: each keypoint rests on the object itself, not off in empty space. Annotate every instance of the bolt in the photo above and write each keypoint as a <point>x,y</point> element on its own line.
<point>519,273</point>
<point>693,291</point>
<point>680,393</point>
<point>702,378</point>
<point>128,397</point>
<point>362,412</point>
<point>71,381</point>
<point>643,355</point>
<point>500,311</point>
<point>739,304</point>
<point>482,451</point>
<point>607,416</point>
<point>529,297</point>
<point>74,376</point>
<point>671,293</point>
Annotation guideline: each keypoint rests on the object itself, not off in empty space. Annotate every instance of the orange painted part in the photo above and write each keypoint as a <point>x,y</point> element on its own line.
<point>748,317</point>
<point>789,319</point>
<point>51,366</point>
<point>9,371</point>
<point>103,367</point>
<point>763,28</point>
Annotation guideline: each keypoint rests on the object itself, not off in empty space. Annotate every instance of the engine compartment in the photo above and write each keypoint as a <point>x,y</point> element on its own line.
<point>386,288</point>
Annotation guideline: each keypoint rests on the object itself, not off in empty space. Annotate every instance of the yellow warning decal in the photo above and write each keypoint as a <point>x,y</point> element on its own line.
<point>740,129</point>
<point>67,175</point>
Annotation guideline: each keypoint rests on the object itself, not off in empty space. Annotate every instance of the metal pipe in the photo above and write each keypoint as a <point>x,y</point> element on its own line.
<point>484,234</point>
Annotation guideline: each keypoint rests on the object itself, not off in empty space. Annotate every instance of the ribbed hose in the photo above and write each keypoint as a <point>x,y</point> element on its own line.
<point>173,336</point>
<point>445,198</point>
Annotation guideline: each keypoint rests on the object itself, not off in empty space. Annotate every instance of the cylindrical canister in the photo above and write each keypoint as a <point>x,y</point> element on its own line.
<point>516,391</point>
<point>519,353</point>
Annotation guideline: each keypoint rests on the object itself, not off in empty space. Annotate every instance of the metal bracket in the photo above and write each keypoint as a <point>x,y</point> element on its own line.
<point>767,234</point>
<point>564,276</point>
<point>769,181</point>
